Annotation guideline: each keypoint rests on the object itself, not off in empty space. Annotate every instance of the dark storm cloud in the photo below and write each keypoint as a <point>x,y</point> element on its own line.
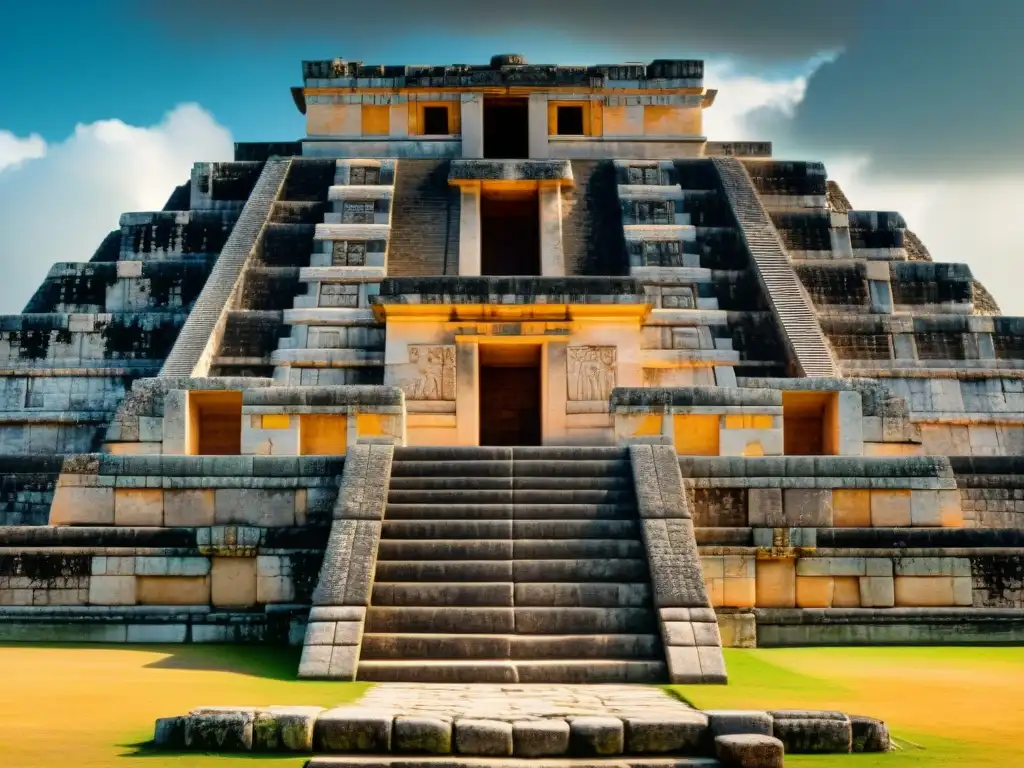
<point>757,29</point>
<point>935,90</point>
<point>920,85</point>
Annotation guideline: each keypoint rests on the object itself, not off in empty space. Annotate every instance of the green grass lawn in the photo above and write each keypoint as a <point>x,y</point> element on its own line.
<point>89,706</point>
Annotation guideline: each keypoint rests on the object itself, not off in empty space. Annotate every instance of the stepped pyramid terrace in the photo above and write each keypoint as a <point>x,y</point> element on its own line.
<point>507,374</point>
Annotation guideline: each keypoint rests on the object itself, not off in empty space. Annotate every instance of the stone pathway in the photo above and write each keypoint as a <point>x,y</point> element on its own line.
<point>513,703</point>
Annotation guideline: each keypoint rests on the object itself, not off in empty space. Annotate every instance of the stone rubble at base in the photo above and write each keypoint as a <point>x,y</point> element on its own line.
<point>524,721</point>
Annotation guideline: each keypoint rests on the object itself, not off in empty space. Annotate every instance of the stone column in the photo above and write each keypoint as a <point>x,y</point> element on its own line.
<point>552,258</point>
<point>555,384</point>
<point>469,232</point>
<point>538,126</point>
<point>467,393</point>
<point>472,125</point>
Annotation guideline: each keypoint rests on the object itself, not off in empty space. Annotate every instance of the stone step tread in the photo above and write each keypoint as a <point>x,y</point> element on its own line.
<point>425,645</point>
<point>513,671</point>
<point>463,483</point>
<point>513,762</point>
<point>595,570</point>
<point>509,511</point>
<point>509,529</point>
<point>510,594</point>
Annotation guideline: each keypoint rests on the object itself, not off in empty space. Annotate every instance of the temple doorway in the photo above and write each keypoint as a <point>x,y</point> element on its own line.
<point>506,129</point>
<point>510,233</point>
<point>510,394</point>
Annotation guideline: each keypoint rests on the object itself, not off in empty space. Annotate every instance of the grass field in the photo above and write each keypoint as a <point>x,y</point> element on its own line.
<point>83,707</point>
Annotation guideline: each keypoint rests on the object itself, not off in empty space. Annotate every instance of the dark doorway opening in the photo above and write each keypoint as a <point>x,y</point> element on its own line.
<point>510,395</point>
<point>570,121</point>
<point>506,129</point>
<point>510,233</point>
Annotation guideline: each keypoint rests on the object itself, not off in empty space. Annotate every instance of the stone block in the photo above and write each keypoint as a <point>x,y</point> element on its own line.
<point>233,582</point>
<point>491,738</point>
<point>749,751</point>
<point>352,729</point>
<point>876,592</point>
<point>189,508</point>
<point>169,733</point>
<point>845,592</point>
<point>813,732</point>
<point>764,507</point>
<point>172,590</point>
<point>259,507</point>
<point>75,505</point>
<point>814,591</point>
<point>951,514</point>
<point>738,630</point>
<point>776,584</point>
<point>675,733</point>
<point>963,591</point>
<point>851,508</point>
<point>344,659</point>
<point>712,664</point>
<point>157,633</point>
<point>540,738</point>
<point>807,507</point>
<point>228,731</point>
<point>677,633</point>
<point>139,507</point>
<point>315,662</point>
<point>274,589</point>
<point>925,509</point>
<point>869,734</point>
<point>705,633</point>
<point>729,722</point>
<point>112,590</point>
<point>924,591</point>
<point>683,664</point>
<point>597,736</point>
<point>739,593</point>
<point>423,735</point>
<point>890,508</point>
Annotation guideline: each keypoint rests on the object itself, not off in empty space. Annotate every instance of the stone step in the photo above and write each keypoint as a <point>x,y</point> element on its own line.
<point>427,646</point>
<point>518,453</point>
<point>445,571</point>
<point>522,496</point>
<point>502,620</point>
<point>505,671</point>
<point>425,594</point>
<point>398,511</point>
<point>447,529</point>
<point>572,468</point>
<point>450,468</point>
<point>459,761</point>
<point>459,483</point>
<point>511,529</point>
<point>509,549</point>
<point>508,594</point>
<point>604,570</point>
<point>451,453</point>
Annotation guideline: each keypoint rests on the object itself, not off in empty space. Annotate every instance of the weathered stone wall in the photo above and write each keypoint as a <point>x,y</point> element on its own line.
<point>425,221</point>
<point>592,239</point>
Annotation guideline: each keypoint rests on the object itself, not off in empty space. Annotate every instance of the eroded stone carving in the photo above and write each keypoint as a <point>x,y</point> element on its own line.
<point>433,373</point>
<point>591,372</point>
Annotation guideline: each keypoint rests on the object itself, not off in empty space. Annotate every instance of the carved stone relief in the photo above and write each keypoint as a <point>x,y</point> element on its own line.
<point>591,372</point>
<point>430,373</point>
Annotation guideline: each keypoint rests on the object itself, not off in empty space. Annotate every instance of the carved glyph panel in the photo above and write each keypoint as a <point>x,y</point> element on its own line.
<point>591,372</point>
<point>430,374</point>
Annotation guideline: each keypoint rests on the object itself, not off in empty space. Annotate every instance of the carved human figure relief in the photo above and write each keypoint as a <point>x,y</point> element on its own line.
<point>591,372</point>
<point>433,373</point>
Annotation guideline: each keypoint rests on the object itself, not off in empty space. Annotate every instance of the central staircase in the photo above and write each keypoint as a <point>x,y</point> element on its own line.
<point>511,565</point>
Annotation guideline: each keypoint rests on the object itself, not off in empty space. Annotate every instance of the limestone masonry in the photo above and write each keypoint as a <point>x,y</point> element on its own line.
<point>508,374</point>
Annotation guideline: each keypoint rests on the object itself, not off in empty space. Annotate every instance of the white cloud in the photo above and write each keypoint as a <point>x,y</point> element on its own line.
<point>975,221</point>
<point>58,201</point>
<point>14,150</point>
<point>970,220</point>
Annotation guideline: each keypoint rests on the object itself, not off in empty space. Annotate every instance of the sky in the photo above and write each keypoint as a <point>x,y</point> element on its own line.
<point>913,105</point>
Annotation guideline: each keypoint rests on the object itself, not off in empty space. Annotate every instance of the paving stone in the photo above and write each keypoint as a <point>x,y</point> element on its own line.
<point>869,734</point>
<point>728,722</point>
<point>483,737</point>
<point>812,732</point>
<point>749,751</point>
<point>675,733</point>
<point>596,736</point>
<point>352,729</point>
<point>431,735</point>
<point>228,731</point>
<point>540,738</point>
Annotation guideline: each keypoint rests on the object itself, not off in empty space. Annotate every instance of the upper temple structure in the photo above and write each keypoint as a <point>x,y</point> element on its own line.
<point>508,373</point>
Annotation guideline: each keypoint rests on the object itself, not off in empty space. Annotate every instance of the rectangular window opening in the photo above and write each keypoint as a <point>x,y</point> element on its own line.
<point>570,121</point>
<point>435,121</point>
